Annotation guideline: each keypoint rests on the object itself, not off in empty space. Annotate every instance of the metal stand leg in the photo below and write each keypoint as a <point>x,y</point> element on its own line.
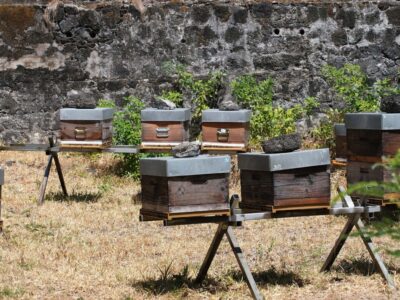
<point>51,156</point>
<point>44,181</point>
<point>243,264</point>
<point>221,231</point>
<point>222,228</point>
<point>355,221</point>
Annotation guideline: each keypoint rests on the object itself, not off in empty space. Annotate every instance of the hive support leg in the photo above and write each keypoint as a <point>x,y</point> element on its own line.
<point>244,267</point>
<point>351,222</point>
<point>379,264</point>
<point>45,180</point>
<point>60,174</point>
<point>221,230</point>
<point>348,202</point>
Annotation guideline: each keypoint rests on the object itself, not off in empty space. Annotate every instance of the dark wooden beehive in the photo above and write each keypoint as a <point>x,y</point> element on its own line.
<point>225,129</point>
<point>285,181</point>
<point>185,187</point>
<point>341,141</point>
<point>370,138</point>
<point>163,129</point>
<point>86,127</point>
<point>1,185</point>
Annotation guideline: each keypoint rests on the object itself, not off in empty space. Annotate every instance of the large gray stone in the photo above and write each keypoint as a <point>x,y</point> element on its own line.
<point>186,149</point>
<point>283,143</point>
<point>391,104</point>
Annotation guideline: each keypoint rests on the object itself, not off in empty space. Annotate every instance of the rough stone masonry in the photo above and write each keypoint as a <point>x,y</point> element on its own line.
<point>107,49</point>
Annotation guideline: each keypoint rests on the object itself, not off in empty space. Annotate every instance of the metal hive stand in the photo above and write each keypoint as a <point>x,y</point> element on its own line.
<point>52,151</point>
<point>226,225</point>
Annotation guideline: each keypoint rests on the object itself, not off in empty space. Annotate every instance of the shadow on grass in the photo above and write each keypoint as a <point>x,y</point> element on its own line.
<point>360,266</point>
<point>175,283</point>
<point>273,277</point>
<point>86,197</point>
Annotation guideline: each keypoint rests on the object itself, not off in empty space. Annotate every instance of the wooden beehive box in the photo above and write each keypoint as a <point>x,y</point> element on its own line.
<point>370,138</point>
<point>86,127</point>
<point>225,130</point>
<point>1,185</point>
<point>285,181</point>
<point>341,141</point>
<point>185,187</point>
<point>164,129</point>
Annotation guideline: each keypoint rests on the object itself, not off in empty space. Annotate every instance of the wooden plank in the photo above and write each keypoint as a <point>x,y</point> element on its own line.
<point>274,209</point>
<point>150,215</point>
<point>101,144</point>
<point>339,163</point>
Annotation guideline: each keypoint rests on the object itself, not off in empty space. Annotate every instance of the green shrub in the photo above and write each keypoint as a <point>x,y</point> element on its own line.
<point>268,121</point>
<point>127,131</point>
<point>174,96</point>
<point>352,86</point>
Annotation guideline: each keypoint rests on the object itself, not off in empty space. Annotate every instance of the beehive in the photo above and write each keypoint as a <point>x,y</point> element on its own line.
<point>163,129</point>
<point>370,138</point>
<point>285,181</point>
<point>225,129</point>
<point>86,127</point>
<point>185,187</point>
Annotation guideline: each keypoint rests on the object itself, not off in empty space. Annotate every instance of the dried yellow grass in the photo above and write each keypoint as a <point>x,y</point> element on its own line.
<point>92,245</point>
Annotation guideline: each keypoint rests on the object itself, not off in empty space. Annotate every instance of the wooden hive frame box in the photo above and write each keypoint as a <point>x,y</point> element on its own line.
<point>86,127</point>
<point>285,181</point>
<point>185,187</point>
<point>164,129</point>
<point>225,130</point>
<point>1,185</point>
<point>370,138</point>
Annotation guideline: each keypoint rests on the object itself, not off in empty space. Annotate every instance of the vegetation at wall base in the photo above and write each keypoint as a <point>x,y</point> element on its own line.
<point>352,86</point>
<point>127,131</point>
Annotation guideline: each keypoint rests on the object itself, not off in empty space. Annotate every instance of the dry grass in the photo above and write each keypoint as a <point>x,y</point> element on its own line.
<point>92,246</point>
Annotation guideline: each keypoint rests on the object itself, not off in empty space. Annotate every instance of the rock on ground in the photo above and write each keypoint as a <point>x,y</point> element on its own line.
<point>283,143</point>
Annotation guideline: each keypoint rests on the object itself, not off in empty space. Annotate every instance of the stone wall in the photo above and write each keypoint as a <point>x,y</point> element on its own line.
<point>107,49</point>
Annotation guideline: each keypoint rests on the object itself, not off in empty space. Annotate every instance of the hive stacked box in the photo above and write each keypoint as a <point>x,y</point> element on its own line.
<point>163,129</point>
<point>225,129</point>
<point>340,141</point>
<point>185,187</point>
<point>1,184</point>
<point>86,127</point>
<point>370,138</point>
<point>285,181</point>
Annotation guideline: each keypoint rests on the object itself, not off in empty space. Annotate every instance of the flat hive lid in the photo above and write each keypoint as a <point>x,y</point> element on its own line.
<point>190,166</point>
<point>86,114</point>
<point>165,115</point>
<point>372,121</point>
<point>1,176</point>
<point>226,116</point>
<point>340,129</point>
<point>283,161</point>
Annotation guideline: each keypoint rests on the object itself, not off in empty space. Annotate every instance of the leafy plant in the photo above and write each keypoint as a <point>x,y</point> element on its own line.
<point>359,95</point>
<point>323,135</point>
<point>268,121</point>
<point>127,131</point>
<point>201,94</point>
<point>174,96</point>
